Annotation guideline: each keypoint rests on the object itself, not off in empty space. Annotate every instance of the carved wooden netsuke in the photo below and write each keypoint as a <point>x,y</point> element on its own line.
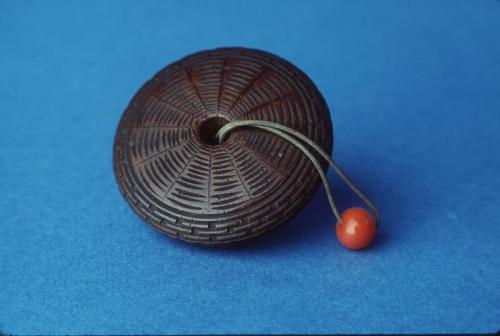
<point>175,175</point>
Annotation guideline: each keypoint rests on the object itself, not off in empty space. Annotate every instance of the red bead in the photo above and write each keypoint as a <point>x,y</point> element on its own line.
<point>357,230</point>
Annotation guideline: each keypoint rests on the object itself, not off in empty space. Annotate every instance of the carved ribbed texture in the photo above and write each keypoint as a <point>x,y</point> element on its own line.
<point>216,194</point>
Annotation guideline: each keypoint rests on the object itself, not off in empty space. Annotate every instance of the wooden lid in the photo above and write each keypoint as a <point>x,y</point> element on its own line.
<point>176,177</point>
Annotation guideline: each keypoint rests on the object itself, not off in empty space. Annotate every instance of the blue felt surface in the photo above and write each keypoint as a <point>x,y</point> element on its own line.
<point>414,90</point>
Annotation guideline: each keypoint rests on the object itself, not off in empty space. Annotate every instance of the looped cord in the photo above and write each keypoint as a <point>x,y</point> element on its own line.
<point>291,136</point>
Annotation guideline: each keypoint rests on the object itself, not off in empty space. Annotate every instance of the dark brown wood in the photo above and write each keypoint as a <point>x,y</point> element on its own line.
<point>175,175</point>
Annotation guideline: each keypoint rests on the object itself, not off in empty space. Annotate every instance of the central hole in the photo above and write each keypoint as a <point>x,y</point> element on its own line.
<point>209,128</point>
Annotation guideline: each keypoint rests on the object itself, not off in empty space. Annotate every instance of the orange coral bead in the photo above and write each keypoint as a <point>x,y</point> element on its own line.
<point>357,230</point>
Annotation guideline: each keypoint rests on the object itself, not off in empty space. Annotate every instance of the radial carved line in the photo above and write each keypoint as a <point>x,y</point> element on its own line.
<point>195,89</point>
<point>268,165</point>
<point>172,105</point>
<point>247,88</point>
<point>209,181</point>
<point>159,153</point>
<point>174,182</point>
<point>221,86</point>
<point>266,104</point>
<point>230,156</point>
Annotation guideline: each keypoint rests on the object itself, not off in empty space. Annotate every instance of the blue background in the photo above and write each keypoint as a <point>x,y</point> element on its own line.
<point>414,92</point>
